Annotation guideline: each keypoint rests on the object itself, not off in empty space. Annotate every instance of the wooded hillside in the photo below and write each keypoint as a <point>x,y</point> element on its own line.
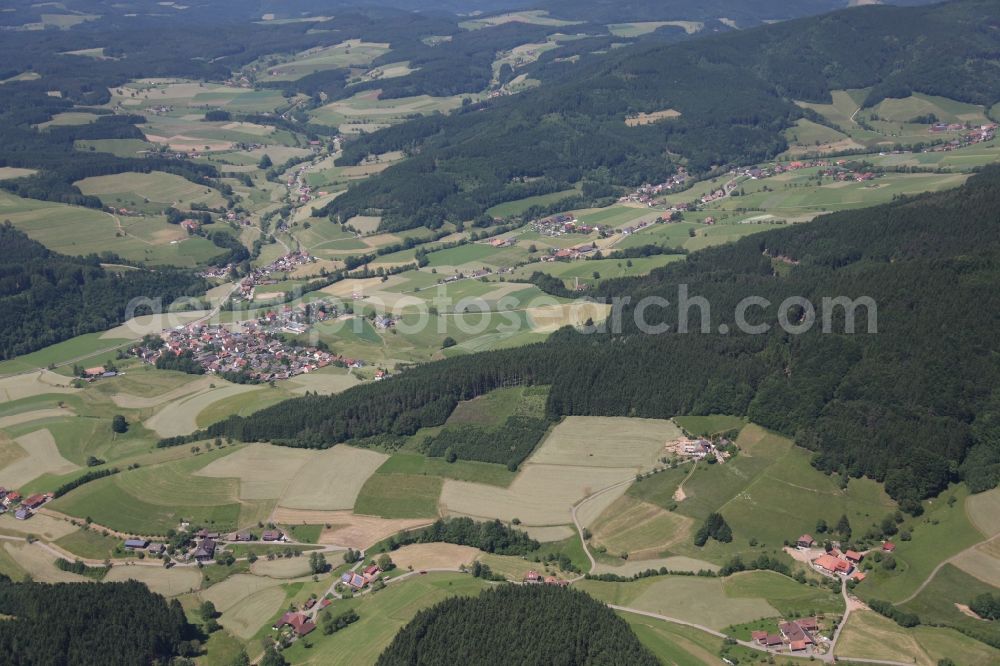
<point>735,93</point>
<point>915,405</point>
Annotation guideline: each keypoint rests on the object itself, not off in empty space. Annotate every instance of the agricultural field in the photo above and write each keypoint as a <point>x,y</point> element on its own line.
<point>533,16</point>
<point>639,529</point>
<point>149,192</point>
<point>710,425</point>
<point>512,208</point>
<point>168,582</point>
<point>75,230</point>
<point>562,472</point>
<point>694,599</point>
<point>352,53</point>
<point>381,616</point>
<point>945,602</point>
<point>790,598</point>
<point>399,496</point>
<point>365,112</point>
<point>180,417</point>
<point>870,636</point>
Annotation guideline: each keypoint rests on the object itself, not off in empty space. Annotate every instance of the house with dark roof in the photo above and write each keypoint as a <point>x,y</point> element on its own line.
<point>271,535</point>
<point>299,623</point>
<point>205,550</point>
<point>805,541</point>
<point>135,544</point>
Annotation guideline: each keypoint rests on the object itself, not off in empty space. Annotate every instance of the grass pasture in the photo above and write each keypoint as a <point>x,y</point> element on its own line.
<point>168,582</point>
<point>938,603</point>
<point>159,189</point>
<point>787,596</point>
<point>709,425</point>
<point>381,617</point>
<point>153,499</point>
<point>606,441</point>
<point>870,636</point>
<point>39,564</point>
<point>37,455</point>
<point>640,529</point>
<point>691,598</point>
<point>400,496</point>
<point>281,567</point>
<point>460,470</point>
<point>180,417</point>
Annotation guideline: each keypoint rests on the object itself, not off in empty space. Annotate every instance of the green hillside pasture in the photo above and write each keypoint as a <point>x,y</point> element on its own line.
<point>771,493</point>
<point>181,417</point>
<point>180,93</point>
<point>614,216</point>
<point>68,118</point>
<point>119,147</point>
<point>938,603</point>
<point>460,470</point>
<point>352,53</point>
<point>512,208</point>
<point>639,529</point>
<point>606,441</point>
<point>365,111</point>
<point>607,268</point>
<point>399,496</point>
<point>242,404</point>
<point>495,407</point>
<point>807,136</point>
<point>790,598</point>
<point>30,456</point>
<point>677,644</point>
<point>168,582</point>
<point>462,255</point>
<point>539,495</point>
<point>75,230</point>
<point>130,190</point>
<point>947,110</point>
<point>152,500</point>
<point>868,635</point>
<point>382,616</point>
<point>246,602</point>
<point>691,598</point>
<point>973,156</point>
<point>532,16</point>
<point>984,511</point>
<point>92,545</point>
<point>660,488</point>
<point>710,425</point>
<point>942,531</point>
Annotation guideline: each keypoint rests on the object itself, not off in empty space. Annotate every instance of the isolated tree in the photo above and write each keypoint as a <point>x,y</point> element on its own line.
<point>207,611</point>
<point>821,526</point>
<point>119,424</point>
<point>272,658</point>
<point>318,563</point>
<point>843,527</point>
<point>448,342</point>
<point>265,162</point>
<point>385,562</point>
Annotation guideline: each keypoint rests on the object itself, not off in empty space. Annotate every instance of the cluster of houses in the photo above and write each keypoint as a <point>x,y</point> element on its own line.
<point>978,135</point>
<point>535,578</point>
<point>700,448</point>
<point>250,351</point>
<point>794,635</point>
<point>262,276</point>
<point>646,194</point>
<point>563,223</point>
<point>844,174</point>
<point>836,562</point>
<point>296,320</point>
<point>23,508</point>
<point>357,581</point>
<point>570,253</point>
<point>137,544</point>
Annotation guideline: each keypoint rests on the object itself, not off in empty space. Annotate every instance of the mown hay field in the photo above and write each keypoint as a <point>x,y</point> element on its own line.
<point>604,441</point>
<point>168,582</point>
<point>38,455</point>
<point>694,599</point>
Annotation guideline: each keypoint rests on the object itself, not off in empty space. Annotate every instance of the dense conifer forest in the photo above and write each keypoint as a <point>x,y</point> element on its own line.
<point>518,624</point>
<point>84,624</point>
<point>914,405</point>
<point>47,297</point>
